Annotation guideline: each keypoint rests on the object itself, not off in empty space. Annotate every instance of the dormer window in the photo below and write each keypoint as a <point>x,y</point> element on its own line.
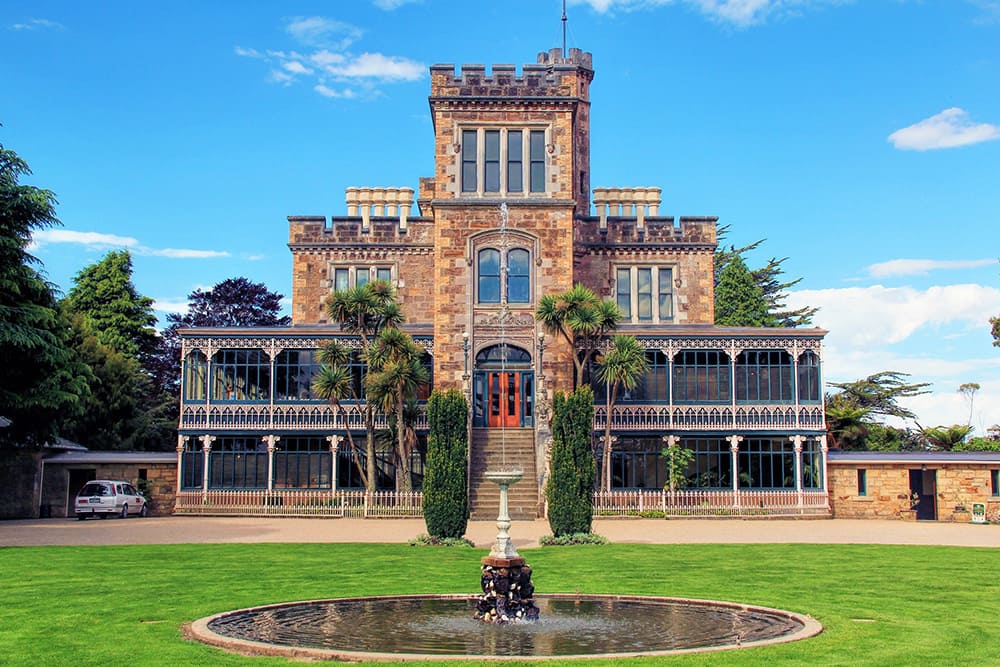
<point>503,161</point>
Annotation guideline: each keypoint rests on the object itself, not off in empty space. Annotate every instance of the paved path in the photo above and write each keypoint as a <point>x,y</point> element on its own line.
<point>179,530</point>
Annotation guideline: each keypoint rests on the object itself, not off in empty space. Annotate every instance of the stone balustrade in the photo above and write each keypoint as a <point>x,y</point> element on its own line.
<point>369,202</point>
<point>627,202</point>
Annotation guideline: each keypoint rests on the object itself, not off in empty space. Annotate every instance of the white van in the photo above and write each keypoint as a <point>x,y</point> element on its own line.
<point>106,497</point>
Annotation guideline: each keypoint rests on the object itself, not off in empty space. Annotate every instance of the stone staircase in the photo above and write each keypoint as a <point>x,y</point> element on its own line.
<point>494,449</point>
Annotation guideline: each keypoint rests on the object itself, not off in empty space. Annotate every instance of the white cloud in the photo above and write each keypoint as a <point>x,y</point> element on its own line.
<point>876,315</point>
<point>949,129</point>
<point>390,5</point>
<point>326,91</point>
<point>919,267</point>
<point>331,66</point>
<point>170,305</point>
<point>320,31</point>
<point>378,66</point>
<point>91,239</point>
<point>38,24</point>
<point>741,13</point>
<point>100,241</point>
<point>295,67</point>
<point>870,330</point>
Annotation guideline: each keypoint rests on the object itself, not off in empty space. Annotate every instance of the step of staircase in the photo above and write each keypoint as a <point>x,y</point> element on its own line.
<point>494,449</point>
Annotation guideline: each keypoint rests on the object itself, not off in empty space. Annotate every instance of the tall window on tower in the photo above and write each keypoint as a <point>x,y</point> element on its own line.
<point>503,161</point>
<point>645,293</point>
<point>503,277</point>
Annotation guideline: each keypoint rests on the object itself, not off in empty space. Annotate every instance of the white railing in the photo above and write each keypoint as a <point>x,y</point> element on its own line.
<point>655,417</point>
<point>305,416</point>
<point>300,503</point>
<point>710,502</point>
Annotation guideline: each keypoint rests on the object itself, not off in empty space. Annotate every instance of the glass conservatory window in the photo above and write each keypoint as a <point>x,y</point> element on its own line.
<point>195,376</point>
<point>238,463</point>
<point>241,375</point>
<point>763,376</point>
<point>767,463</point>
<point>809,380</point>
<point>302,463</point>
<point>701,376</point>
<point>294,371</point>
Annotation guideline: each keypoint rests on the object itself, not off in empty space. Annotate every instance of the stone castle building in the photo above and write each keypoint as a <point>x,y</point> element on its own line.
<point>509,216</point>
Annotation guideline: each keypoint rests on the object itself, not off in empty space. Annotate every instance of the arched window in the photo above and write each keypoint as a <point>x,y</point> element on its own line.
<point>701,376</point>
<point>195,376</point>
<point>809,380</point>
<point>502,277</point>
<point>489,276</point>
<point>496,356</point>
<point>518,276</point>
<point>763,376</point>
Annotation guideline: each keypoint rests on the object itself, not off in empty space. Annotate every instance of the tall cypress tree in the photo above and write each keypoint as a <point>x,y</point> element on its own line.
<point>446,504</point>
<point>570,487</point>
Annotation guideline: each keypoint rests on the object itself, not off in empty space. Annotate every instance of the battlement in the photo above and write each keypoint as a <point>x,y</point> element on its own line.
<point>379,202</point>
<point>614,229</point>
<point>551,76</point>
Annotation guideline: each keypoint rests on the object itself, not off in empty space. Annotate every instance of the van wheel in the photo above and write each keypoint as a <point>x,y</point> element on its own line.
<point>124,513</point>
<point>143,512</point>
<point>81,516</point>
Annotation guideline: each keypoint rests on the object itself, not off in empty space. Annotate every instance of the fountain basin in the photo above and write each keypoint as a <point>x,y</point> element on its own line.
<point>441,627</point>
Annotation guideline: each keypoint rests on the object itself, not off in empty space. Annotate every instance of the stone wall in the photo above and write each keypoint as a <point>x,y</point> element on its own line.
<point>689,249</point>
<point>19,481</point>
<point>316,246</point>
<point>161,484</point>
<point>958,486</point>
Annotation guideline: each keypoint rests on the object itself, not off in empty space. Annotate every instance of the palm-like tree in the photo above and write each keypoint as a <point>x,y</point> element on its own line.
<point>366,310</point>
<point>581,318</point>
<point>395,373</point>
<point>335,383</point>
<point>945,437</point>
<point>621,367</point>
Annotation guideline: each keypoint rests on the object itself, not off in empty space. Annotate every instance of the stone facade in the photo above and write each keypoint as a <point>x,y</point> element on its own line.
<point>153,473</point>
<point>505,220</point>
<point>884,489</point>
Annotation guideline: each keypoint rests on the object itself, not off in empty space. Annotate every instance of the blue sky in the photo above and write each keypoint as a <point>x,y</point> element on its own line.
<point>861,139</point>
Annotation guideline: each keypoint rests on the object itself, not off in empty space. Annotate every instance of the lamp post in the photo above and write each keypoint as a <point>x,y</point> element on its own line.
<point>542,402</point>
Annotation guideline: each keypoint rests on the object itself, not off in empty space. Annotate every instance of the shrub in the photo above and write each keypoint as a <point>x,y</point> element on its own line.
<point>571,485</point>
<point>446,504</point>
<point>569,540</point>
<point>430,541</point>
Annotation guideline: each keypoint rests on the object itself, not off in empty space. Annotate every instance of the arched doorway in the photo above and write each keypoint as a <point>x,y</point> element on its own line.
<point>503,387</point>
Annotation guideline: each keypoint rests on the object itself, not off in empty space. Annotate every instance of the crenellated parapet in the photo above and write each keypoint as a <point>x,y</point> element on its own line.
<point>691,232</point>
<point>379,202</point>
<point>551,76</point>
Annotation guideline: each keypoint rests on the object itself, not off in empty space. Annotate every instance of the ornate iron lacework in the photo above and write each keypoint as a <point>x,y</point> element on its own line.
<point>273,345</point>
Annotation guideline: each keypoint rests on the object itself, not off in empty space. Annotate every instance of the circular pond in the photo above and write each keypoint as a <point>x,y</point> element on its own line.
<point>441,626</point>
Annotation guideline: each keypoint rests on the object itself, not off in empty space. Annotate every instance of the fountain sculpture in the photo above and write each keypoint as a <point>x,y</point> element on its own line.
<point>506,579</point>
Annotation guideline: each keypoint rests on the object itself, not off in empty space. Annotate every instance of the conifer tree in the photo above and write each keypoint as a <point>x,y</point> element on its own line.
<point>570,487</point>
<point>40,377</point>
<point>739,302</point>
<point>446,503</point>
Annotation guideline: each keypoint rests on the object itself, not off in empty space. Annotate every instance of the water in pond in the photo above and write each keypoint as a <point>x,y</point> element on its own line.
<point>444,625</point>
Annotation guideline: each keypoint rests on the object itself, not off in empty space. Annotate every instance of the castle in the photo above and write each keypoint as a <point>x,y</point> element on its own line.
<point>507,218</point>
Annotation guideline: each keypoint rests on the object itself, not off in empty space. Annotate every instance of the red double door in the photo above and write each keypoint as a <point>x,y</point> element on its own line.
<point>503,390</point>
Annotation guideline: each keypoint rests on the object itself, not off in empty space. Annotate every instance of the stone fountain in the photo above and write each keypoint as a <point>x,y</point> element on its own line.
<point>506,580</point>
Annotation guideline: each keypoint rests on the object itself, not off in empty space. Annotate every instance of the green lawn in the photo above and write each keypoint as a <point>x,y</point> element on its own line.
<point>880,605</point>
